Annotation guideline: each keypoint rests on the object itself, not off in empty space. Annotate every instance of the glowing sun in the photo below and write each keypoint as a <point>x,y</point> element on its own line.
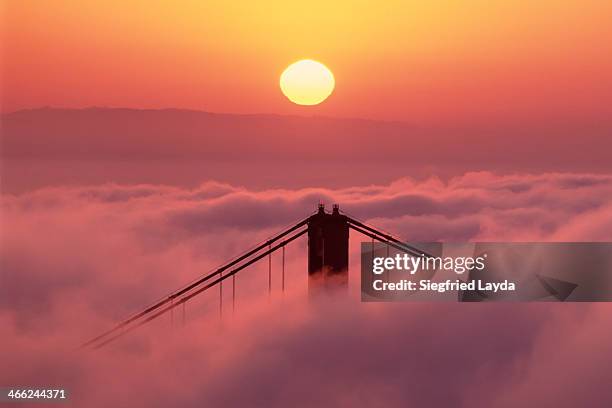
<point>307,82</point>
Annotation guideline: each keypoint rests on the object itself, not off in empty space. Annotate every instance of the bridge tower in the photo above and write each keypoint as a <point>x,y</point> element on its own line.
<point>328,249</point>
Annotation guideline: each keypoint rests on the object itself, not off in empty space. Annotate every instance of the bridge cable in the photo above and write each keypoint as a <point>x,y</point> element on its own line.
<point>221,296</point>
<point>186,297</point>
<point>165,300</point>
<point>233,294</point>
<point>414,252</point>
<point>383,237</point>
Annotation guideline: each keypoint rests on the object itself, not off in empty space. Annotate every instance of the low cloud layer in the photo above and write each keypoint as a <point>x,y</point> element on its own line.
<point>76,259</point>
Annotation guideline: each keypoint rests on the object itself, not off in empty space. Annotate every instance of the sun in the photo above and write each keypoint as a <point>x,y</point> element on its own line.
<point>307,82</point>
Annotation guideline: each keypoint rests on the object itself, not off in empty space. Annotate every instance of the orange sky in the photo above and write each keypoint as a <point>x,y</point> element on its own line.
<point>412,60</point>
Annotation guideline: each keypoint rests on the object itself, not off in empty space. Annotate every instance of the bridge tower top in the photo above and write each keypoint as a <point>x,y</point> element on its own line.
<point>328,239</point>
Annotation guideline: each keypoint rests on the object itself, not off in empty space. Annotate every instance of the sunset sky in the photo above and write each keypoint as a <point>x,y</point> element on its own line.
<point>450,121</point>
<point>407,60</point>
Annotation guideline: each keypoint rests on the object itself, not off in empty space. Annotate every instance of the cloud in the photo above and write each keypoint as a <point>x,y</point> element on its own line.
<point>76,259</point>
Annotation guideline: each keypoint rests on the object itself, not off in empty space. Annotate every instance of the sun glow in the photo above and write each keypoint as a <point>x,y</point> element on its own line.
<point>307,82</point>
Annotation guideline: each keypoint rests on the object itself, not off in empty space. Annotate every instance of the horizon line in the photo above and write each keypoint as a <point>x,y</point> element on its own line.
<point>194,110</point>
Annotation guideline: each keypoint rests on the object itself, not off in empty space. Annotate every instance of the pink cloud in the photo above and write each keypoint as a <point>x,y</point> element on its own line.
<point>74,260</point>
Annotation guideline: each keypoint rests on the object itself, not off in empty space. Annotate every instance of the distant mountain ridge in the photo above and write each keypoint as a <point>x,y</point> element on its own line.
<point>164,133</point>
<point>137,134</point>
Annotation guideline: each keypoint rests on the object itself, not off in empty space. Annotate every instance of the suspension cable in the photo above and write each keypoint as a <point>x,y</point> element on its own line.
<point>178,293</point>
<point>104,339</point>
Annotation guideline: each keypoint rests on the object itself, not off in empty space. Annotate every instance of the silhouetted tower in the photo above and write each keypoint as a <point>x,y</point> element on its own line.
<point>328,240</point>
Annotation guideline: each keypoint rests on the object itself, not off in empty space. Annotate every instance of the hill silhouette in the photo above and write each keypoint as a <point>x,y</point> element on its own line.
<point>172,133</point>
<point>49,145</point>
